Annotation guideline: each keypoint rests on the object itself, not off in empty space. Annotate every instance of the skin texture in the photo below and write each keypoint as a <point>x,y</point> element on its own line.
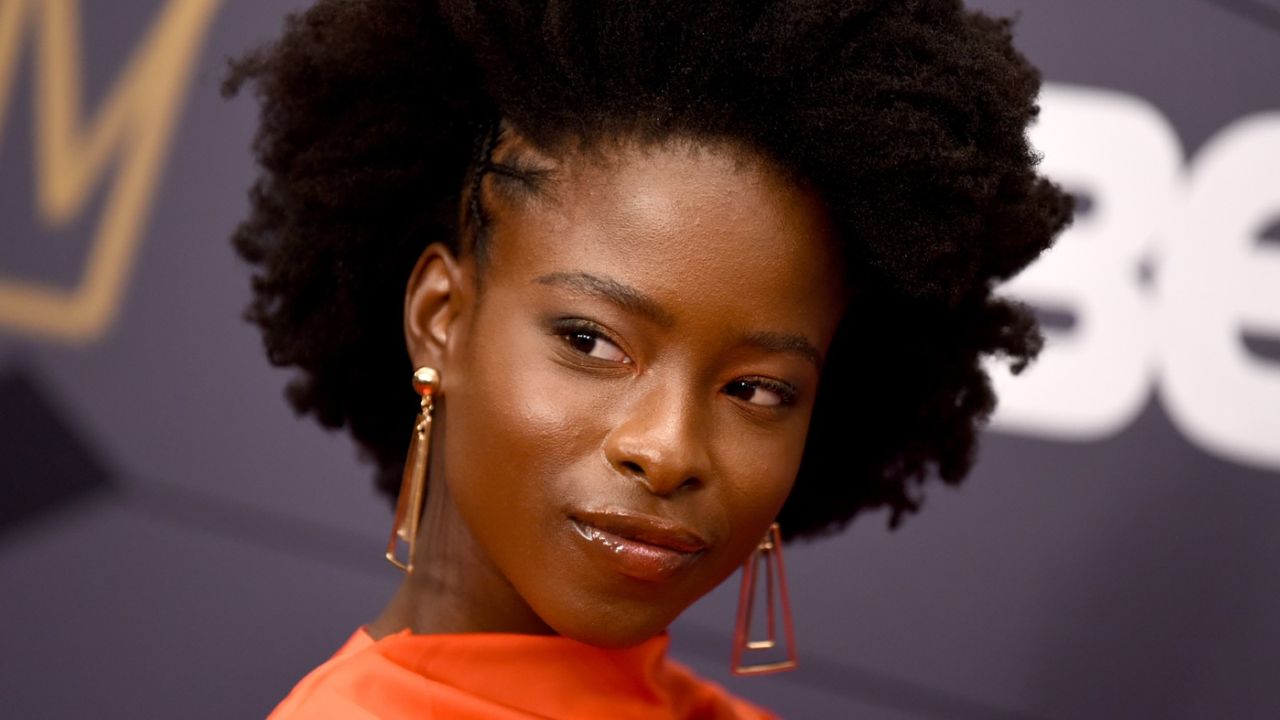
<point>645,335</point>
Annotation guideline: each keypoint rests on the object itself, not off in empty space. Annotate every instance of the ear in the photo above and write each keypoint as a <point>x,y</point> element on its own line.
<point>438,294</point>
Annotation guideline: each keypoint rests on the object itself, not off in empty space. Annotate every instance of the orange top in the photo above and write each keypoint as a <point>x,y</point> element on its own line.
<point>503,677</point>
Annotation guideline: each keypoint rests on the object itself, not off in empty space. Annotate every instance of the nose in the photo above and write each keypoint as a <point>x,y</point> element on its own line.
<point>660,440</point>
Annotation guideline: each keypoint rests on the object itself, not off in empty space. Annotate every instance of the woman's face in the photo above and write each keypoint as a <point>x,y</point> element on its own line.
<point>628,386</point>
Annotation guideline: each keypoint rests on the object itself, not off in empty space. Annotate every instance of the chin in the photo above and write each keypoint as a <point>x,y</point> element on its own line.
<point>615,627</point>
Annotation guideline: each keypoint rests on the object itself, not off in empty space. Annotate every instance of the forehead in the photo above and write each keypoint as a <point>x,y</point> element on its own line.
<point>700,227</point>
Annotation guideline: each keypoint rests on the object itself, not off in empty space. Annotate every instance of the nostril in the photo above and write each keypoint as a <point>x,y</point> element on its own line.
<point>633,467</point>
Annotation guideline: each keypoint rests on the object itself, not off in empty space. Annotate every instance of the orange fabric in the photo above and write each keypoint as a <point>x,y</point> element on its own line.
<point>505,677</point>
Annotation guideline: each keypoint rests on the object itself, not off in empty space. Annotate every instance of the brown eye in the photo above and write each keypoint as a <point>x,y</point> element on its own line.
<point>593,345</point>
<point>761,392</point>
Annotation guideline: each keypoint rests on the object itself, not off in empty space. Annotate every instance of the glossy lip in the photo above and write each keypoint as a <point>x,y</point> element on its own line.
<point>644,547</point>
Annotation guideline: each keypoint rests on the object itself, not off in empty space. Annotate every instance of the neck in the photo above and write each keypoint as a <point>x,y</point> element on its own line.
<point>454,587</point>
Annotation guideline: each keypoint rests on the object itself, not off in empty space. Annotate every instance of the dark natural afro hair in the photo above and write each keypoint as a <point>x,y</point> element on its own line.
<point>908,116</point>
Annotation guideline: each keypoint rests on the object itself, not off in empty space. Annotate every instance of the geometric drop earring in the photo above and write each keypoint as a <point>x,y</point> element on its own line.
<point>768,551</point>
<point>413,486</point>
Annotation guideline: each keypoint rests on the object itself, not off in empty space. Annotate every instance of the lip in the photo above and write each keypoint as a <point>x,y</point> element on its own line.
<point>644,547</point>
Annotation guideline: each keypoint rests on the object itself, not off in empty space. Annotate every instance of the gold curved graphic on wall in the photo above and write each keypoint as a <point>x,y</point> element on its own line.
<point>132,126</point>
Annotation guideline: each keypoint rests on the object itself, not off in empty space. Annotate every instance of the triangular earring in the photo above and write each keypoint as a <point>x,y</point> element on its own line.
<point>413,486</point>
<point>769,551</point>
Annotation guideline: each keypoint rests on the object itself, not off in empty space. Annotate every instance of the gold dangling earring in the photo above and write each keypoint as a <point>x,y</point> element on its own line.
<point>414,485</point>
<point>770,551</point>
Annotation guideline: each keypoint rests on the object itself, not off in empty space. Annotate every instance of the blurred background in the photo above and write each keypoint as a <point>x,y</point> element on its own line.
<point>173,541</point>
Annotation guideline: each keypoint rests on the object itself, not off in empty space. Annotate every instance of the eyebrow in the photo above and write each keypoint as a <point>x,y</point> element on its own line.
<point>631,299</point>
<point>787,343</point>
<point>624,296</point>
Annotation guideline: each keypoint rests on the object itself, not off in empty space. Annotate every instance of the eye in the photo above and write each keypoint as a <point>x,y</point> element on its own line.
<point>762,392</point>
<point>593,344</point>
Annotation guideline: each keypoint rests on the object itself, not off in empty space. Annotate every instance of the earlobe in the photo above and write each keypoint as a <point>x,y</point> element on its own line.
<point>433,300</point>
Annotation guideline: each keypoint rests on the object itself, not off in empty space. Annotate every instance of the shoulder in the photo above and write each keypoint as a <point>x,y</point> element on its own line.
<point>324,693</point>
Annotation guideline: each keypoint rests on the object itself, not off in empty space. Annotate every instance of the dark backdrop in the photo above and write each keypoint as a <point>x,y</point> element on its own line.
<point>173,542</point>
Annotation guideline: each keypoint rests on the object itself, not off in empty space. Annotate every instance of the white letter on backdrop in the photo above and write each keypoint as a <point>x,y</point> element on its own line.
<point>1090,382</point>
<point>1219,280</point>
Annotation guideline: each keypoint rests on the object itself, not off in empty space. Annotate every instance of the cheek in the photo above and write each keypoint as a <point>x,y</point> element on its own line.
<point>514,428</point>
<point>522,410</point>
<point>764,465</point>
<point>758,472</point>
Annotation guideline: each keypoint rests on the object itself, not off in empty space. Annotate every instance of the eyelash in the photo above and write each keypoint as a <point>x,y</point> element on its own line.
<point>787,394</point>
<point>569,328</point>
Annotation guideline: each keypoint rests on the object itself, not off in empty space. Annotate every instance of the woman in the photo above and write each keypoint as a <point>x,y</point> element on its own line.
<point>669,273</point>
